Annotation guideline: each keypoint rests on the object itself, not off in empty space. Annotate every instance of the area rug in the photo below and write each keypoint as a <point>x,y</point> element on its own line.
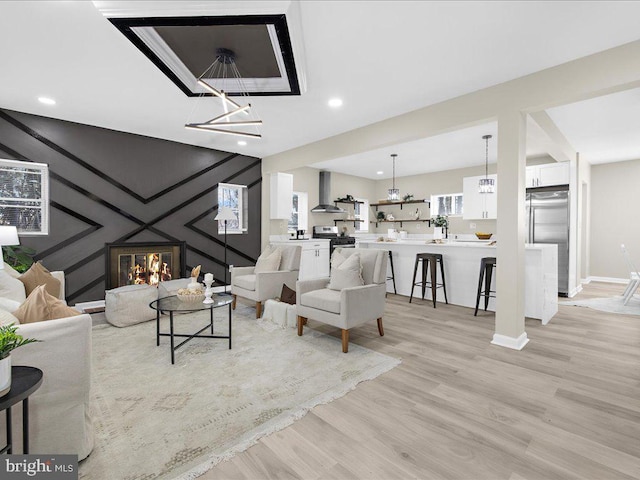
<point>157,420</point>
<point>609,304</point>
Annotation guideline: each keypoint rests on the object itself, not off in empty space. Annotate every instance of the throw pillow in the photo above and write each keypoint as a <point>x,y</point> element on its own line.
<point>11,288</point>
<point>269,260</point>
<point>38,275</point>
<point>7,318</point>
<point>346,273</point>
<point>288,295</point>
<point>40,306</point>
<point>9,305</point>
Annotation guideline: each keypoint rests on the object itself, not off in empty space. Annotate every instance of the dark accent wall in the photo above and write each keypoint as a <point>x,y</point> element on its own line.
<point>109,186</point>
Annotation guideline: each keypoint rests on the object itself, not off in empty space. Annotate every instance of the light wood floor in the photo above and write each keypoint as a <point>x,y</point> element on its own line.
<point>567,406</point>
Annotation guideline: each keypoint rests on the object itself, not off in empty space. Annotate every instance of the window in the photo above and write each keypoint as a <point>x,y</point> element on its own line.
<point>299,212</point>
<point>446,205</point>
<point>24,196</point>
<point>361,212</point>
<point>236,198</point>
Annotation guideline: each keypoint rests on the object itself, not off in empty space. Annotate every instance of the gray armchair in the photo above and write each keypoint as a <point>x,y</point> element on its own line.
<point>262,286</point>
<point>349,307</point>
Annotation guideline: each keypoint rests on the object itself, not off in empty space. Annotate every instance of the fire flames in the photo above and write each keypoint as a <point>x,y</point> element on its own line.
<point>153,271</point>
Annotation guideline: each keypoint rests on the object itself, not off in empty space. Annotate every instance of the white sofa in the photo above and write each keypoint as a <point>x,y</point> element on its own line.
<point>59,415</point>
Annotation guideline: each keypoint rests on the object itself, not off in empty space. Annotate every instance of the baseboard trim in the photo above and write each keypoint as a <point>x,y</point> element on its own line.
<point>510,342</point>
<point>575,291</point>
<point>606,280</point>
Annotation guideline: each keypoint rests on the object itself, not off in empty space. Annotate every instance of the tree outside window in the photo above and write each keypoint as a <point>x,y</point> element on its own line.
<point>24,196</point>
<point>236,198</point>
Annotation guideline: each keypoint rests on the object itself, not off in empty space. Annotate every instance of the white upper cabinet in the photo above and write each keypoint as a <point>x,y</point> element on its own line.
<point>281,196</point>
<point>476,205</point>
<point>548,175</point>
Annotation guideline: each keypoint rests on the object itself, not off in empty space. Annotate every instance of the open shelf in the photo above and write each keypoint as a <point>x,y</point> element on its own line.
<point>355,221</point>
<point>401,221</point>
<point>410,202</point>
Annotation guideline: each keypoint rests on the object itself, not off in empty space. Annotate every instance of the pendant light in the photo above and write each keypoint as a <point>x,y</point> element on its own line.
<point>486,184</point>
<point>224,72</point>
<point>393,192</point>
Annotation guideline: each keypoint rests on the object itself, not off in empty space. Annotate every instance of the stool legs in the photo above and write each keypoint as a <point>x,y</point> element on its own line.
<point>434,277</point>
<point>393,275</point>
<point>413,282</point>
<point>475,314</point>
<point>487,285</point>
<point>425,266</point>
<point>444,282</point>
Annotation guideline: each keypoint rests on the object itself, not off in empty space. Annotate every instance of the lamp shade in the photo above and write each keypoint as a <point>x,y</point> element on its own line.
<point>9,235</point>
<point>225,213</point>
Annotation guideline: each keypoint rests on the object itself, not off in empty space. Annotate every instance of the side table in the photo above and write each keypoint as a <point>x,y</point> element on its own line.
<point>24,381</point>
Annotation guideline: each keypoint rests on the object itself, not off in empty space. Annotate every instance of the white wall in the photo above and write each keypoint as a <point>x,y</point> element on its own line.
<point>614,203</point>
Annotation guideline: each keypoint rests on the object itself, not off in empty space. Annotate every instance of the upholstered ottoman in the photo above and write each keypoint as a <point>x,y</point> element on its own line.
<point>129,305</point>
<point>171,287</point>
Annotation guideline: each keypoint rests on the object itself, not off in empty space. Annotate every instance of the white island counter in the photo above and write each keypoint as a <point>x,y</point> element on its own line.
<point>462,268</point>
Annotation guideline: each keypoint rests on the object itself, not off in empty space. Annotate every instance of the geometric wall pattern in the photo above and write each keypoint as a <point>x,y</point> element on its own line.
<point>109,186</point>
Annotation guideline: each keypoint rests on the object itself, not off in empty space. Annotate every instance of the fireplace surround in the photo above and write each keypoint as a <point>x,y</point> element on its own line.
<point>143,263</point>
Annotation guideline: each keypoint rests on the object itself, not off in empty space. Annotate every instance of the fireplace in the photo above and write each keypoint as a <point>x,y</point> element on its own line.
<point>143,263</point>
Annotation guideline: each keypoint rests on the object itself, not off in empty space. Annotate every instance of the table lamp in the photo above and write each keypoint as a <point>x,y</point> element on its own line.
<point>8,236</point>
<point>225,214</point>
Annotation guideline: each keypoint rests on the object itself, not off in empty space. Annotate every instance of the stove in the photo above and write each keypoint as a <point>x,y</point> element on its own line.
<point>335,240</point>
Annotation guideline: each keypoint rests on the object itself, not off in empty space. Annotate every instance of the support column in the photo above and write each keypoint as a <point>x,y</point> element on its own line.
<point>511,226</point>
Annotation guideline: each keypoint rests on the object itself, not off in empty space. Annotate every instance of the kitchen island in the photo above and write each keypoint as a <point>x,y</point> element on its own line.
<point>462,268</point>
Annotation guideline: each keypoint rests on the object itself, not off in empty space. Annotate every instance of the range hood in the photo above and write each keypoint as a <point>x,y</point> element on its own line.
<point>326,206</point>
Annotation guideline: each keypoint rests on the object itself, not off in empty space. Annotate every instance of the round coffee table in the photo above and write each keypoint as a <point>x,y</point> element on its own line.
<point>173,304</point>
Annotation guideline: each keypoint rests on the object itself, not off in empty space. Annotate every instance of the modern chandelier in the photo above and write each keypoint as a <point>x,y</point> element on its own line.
<point>393,192</point>
<point>486,184</point>
<point>224,71</point>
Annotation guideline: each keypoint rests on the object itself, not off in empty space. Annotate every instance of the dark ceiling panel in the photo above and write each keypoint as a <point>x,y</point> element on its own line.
<point>194,41</point>
<point>197,46</point>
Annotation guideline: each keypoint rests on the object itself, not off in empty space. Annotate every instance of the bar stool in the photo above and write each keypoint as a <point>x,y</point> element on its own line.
<point>487,264</point>
<point>393,275</point>
<point>426,259</point>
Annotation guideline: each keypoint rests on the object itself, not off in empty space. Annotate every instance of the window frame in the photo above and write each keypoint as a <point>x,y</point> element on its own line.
<point>361,212</point>
<point>9,202</point>
<point>242,210</point>
<point>434,204</point>
<point>303,212</point>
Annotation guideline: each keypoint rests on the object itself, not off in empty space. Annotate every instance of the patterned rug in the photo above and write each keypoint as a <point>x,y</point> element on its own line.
<point>157,420</point>
<point>609,304</point>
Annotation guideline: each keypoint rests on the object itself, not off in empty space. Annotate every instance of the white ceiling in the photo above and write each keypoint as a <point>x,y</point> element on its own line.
<point>383,58</point>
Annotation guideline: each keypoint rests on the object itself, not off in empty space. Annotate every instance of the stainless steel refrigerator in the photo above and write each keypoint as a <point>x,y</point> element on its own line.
<point>548,222</point>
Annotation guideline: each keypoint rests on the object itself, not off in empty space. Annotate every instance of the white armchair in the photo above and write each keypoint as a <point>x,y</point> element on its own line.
<point>351,306</point>
<point>262,286</point>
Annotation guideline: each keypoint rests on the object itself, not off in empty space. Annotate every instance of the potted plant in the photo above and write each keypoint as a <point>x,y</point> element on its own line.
<point>9,341</point>
<point>440,224</point>
<point>380,216</point>
<point>20,257</point>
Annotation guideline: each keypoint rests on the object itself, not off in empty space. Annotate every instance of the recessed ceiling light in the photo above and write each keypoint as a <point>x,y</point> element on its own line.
<point>47,100</point>
<point>380,172</point>
<point>242,143</point>
<point>335,102</point>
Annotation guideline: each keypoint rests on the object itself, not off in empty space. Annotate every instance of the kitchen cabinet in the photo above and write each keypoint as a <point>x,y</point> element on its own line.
<point>479,206</point>
<point>281,196</point>
<point>547,175</point>
<point>314,258</point>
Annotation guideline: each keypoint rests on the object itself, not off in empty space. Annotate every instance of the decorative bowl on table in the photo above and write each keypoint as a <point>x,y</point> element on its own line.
<point>483,236</point>
<point>190,295</point>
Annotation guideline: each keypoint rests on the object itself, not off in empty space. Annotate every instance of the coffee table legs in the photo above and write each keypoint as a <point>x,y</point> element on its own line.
<point>229,326</point>
<point>157,328</point>
<point>173,352</point>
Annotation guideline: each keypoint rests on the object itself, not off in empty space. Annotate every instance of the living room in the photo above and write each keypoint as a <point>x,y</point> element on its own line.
<point>436,395</point>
